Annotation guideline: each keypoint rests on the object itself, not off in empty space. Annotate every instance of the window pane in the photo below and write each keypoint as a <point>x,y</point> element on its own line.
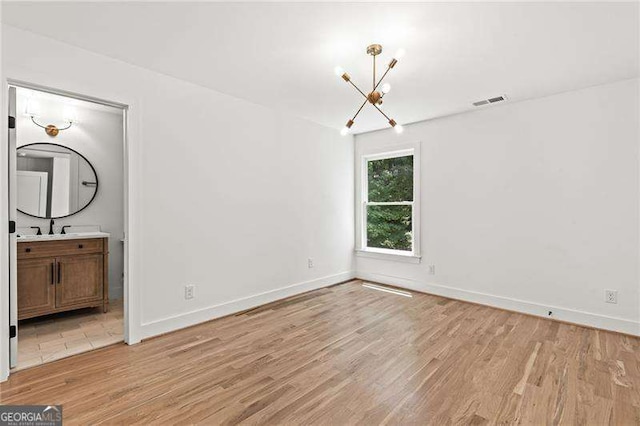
<point>391,179</point>
<point>389,227</point>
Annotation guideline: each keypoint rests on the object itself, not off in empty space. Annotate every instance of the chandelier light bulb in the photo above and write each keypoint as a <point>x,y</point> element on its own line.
<point>33,108</point>
<point>385,88</point>
<point>339,71</point>
<point>344,131</point>
<point>398,128</point>
<point>70,114</point>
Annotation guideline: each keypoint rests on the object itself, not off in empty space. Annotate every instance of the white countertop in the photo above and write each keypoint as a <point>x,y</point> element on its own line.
<point>67,236</point>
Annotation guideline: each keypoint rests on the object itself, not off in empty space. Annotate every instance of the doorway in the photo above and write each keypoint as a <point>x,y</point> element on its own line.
<point>67,198</point>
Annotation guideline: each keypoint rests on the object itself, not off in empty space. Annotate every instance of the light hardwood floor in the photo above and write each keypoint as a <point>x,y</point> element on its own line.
<point>345,355</point>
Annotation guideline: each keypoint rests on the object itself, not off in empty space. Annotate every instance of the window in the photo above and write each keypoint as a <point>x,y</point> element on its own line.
<point>389,206</point>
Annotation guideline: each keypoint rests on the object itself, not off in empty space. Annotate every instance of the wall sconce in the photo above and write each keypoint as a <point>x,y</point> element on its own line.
<point>33,111</point>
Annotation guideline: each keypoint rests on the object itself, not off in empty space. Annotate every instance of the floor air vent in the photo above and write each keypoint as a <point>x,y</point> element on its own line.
<point>490,101</point>
<point>387,289</point>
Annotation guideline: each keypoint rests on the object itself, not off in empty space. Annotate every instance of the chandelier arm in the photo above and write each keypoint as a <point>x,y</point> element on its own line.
<point>45,127</point>
<point>359,109</point>
<point>382,78</point>
<point>36,123</point>
<point>381,112</point>
<point>358,89</point>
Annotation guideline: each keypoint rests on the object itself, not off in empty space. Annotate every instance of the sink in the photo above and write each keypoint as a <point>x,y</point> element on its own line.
<point>67,236</point>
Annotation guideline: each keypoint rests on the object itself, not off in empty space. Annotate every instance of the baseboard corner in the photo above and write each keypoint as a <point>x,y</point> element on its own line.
<point>566,315</point>
<point>188,319</point>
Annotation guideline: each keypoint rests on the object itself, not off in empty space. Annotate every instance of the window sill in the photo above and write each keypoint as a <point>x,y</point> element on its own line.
<point>381,255</point>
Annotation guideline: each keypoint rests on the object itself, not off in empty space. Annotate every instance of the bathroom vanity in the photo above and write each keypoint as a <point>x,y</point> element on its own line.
<point>62,272</point>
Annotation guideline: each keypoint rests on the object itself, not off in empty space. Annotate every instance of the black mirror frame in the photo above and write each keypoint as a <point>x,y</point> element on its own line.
<point>85,159</point>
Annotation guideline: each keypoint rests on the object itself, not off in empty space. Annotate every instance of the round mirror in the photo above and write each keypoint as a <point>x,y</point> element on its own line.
<point>53,181</point>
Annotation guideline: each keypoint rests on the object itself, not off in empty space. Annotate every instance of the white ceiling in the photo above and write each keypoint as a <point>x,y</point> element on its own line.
<point>283,54</point>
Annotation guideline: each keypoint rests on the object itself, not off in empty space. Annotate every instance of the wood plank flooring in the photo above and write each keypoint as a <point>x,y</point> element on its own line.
<point>351,355</point>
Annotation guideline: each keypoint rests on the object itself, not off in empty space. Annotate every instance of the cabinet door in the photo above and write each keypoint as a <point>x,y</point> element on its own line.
<point>36,287</point>
<point>79,280</point>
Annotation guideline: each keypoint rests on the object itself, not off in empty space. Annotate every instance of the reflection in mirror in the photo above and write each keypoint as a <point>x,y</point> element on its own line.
<point>53,181</point>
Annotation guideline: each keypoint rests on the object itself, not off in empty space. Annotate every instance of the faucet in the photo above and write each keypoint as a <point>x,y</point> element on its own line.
<point>51,227</point>
<point>63,229</point>
<point>38,228</point>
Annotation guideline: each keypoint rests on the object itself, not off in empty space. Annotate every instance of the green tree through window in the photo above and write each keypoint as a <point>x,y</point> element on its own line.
<point>389,204</point>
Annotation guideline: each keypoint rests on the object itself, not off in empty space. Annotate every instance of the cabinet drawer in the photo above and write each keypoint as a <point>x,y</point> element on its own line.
<point>36,249</point>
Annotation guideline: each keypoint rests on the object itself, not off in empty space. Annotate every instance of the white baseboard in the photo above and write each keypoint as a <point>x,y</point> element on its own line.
<point>188,319</point>
<point>563,314</point>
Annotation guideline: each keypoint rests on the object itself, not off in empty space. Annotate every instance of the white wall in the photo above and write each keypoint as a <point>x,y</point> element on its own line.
<point>531,206</point>
<point>227,195</point>
<point>99,137</point>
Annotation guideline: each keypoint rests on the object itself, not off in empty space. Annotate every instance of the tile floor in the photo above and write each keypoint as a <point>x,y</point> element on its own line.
<point>58,336</point>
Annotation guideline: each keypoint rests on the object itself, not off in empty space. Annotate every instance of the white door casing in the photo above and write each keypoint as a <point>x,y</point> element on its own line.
<point>13,264</point>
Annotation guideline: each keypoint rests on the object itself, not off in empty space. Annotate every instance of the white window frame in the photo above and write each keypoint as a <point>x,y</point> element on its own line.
<point>362,195</point>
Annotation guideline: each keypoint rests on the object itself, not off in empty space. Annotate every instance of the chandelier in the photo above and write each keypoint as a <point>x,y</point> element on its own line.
<point>375,96</point>
<point>33,110</point>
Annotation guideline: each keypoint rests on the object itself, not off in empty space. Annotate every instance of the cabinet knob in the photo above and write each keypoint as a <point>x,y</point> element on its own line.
<point>80,246</point>
<point>28,250</point>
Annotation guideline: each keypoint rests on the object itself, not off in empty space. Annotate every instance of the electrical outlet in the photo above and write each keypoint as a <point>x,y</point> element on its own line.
<point>611,296</point>
<point>432,269</point>
<point>310,263</point>
<point>189,291</point>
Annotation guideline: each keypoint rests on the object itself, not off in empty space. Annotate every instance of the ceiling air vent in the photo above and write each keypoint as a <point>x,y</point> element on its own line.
<point>490,101</point>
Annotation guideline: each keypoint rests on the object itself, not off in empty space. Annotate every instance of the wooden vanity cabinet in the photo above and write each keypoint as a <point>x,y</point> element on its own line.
<point>36,287</point>
<point>62,275</point>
